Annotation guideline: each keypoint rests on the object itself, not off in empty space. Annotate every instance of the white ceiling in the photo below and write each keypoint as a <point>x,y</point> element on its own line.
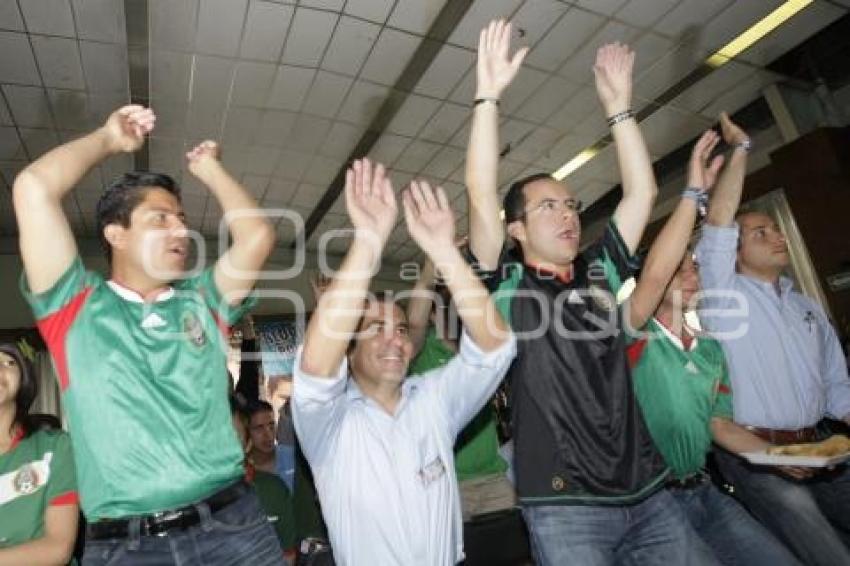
<point>290,88</point>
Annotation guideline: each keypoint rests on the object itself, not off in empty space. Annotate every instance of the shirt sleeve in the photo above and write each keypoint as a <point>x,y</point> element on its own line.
<point>62,486</point>
<point>317,409</point>
<point>469,380</point>
<point>224,312</point>
<point>833,369</point>
<point>611,258</point>
<point>68,287</point>
<point>716,253</point>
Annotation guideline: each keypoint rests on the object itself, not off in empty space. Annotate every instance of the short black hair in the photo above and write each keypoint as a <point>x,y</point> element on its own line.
<point>123,195</point>
<point>514,202</point>
<point>27,391</point>
<point>258,406</point>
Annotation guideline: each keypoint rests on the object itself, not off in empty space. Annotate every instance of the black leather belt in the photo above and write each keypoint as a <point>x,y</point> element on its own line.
<point>690,482</point>
<point>162,523</point>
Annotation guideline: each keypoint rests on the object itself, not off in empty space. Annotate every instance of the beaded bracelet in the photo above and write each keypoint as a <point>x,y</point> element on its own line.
<point>620,117</point>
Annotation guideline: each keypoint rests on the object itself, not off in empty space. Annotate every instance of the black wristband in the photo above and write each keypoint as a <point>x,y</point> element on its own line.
<point>478,101</point>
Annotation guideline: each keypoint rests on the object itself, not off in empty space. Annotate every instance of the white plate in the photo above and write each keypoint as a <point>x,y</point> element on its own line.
<point>763,458</point>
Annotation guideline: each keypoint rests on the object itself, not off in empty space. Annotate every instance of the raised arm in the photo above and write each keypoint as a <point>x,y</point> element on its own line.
<point>613,71</point>
<point>727,196</point>
<point>372,208</point>
<point>253,236</point>
<point>670,245</point>
<point>431,224</point>
<point>495,71</point>
<point>419,305</point>
<point>46,240</point>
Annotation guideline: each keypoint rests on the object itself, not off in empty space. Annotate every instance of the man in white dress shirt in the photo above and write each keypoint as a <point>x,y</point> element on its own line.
<point>380,445</point>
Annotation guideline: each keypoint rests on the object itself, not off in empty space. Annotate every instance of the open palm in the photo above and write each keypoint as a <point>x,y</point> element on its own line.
<point>429,218</point>
<point>702,174</point>
<point>613,72</point>
<point>370,201</point>
<point>496,69</point>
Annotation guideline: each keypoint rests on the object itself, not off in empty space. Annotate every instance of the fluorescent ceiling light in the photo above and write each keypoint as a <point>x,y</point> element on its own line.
<point>717,59</point>
<point>576,162</point>
<point>757,31</point>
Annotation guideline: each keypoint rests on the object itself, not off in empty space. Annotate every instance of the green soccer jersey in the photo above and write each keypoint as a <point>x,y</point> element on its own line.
<point>37,472</point>
<point>278,504</point>
<point>477,447</point>
<point>145,389</point>
<point>679,392</point>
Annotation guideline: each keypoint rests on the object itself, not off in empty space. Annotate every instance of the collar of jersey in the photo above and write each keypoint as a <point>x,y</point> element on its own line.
<point>134,297</point>
<point>542,271</point>
<point>675,339</point>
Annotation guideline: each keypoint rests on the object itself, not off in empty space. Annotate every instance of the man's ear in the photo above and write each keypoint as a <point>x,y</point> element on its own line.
<point>516,230</point>
<point>115,235</point>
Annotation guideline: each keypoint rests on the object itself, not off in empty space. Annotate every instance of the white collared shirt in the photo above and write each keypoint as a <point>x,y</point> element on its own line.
<point>386,482</point>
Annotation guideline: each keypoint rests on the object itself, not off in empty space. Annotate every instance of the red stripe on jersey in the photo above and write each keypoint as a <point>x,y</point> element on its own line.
<point>17,437</point>
<point>54,329</point>
<point>635,351</point>
<point>722,388</point>
<point>222,326</point>
<point>69,498</point>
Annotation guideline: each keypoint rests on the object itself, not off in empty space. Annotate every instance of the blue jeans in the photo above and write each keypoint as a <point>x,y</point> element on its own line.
<point>811,517</point>
<point>236,534</point>
<point>730,536</point>
<point>654,531</point>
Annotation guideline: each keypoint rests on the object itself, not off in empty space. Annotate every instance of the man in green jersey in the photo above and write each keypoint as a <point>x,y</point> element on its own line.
<point>141,357</point>
<point>682,384</point>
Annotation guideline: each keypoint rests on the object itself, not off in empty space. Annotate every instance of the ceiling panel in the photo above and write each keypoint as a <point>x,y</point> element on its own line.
<point>572,31</point>
<point>172,24</point>
<point>389,56</point>
<point>220,24</point>
<point>17,62</point>
<point>10,16</point>
<point>100,20</point>
<point>49,17</point>
<point>372,10</point>
<point>309,35</point>
<point>415,16</point>
<point>265,30</point>
<point>351,44</point>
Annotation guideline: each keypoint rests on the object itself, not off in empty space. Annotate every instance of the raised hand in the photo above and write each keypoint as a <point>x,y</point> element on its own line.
<point>732,133</point>
<point>127,127</point>
<point>613,72</point>
<point>203,157</point>
<point>701,173</point>
<point>429,218</point>
<point>370,200</point>
<point>496,69</point>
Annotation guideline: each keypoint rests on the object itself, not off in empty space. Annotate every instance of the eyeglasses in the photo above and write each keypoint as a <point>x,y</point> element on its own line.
<point>551,207</point>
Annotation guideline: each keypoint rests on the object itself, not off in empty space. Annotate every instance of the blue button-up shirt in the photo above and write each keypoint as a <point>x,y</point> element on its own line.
<point>387,482</point>
<point>785,361</point>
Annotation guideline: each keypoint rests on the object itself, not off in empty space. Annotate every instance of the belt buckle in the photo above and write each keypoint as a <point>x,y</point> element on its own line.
<point>157,524</point>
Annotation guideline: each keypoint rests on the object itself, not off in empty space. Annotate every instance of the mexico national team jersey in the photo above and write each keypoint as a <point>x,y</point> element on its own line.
<point>37,472</point>
<point>680,390</point>
<point>579,435</point>
<point>145,389</point>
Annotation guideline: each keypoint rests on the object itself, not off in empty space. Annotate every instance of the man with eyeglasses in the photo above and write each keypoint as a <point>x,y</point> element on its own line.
<point>589,478</point>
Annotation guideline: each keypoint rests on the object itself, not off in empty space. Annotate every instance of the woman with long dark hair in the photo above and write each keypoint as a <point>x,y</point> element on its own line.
<point>38,490</point>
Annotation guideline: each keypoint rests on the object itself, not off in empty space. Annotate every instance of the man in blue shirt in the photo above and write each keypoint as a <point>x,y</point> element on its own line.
<point>786,367</point>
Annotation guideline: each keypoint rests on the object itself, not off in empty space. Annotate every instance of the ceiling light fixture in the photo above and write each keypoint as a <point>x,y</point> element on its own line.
<point>576,162</point>
<point>755,32</point>
<point>717,59</point>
